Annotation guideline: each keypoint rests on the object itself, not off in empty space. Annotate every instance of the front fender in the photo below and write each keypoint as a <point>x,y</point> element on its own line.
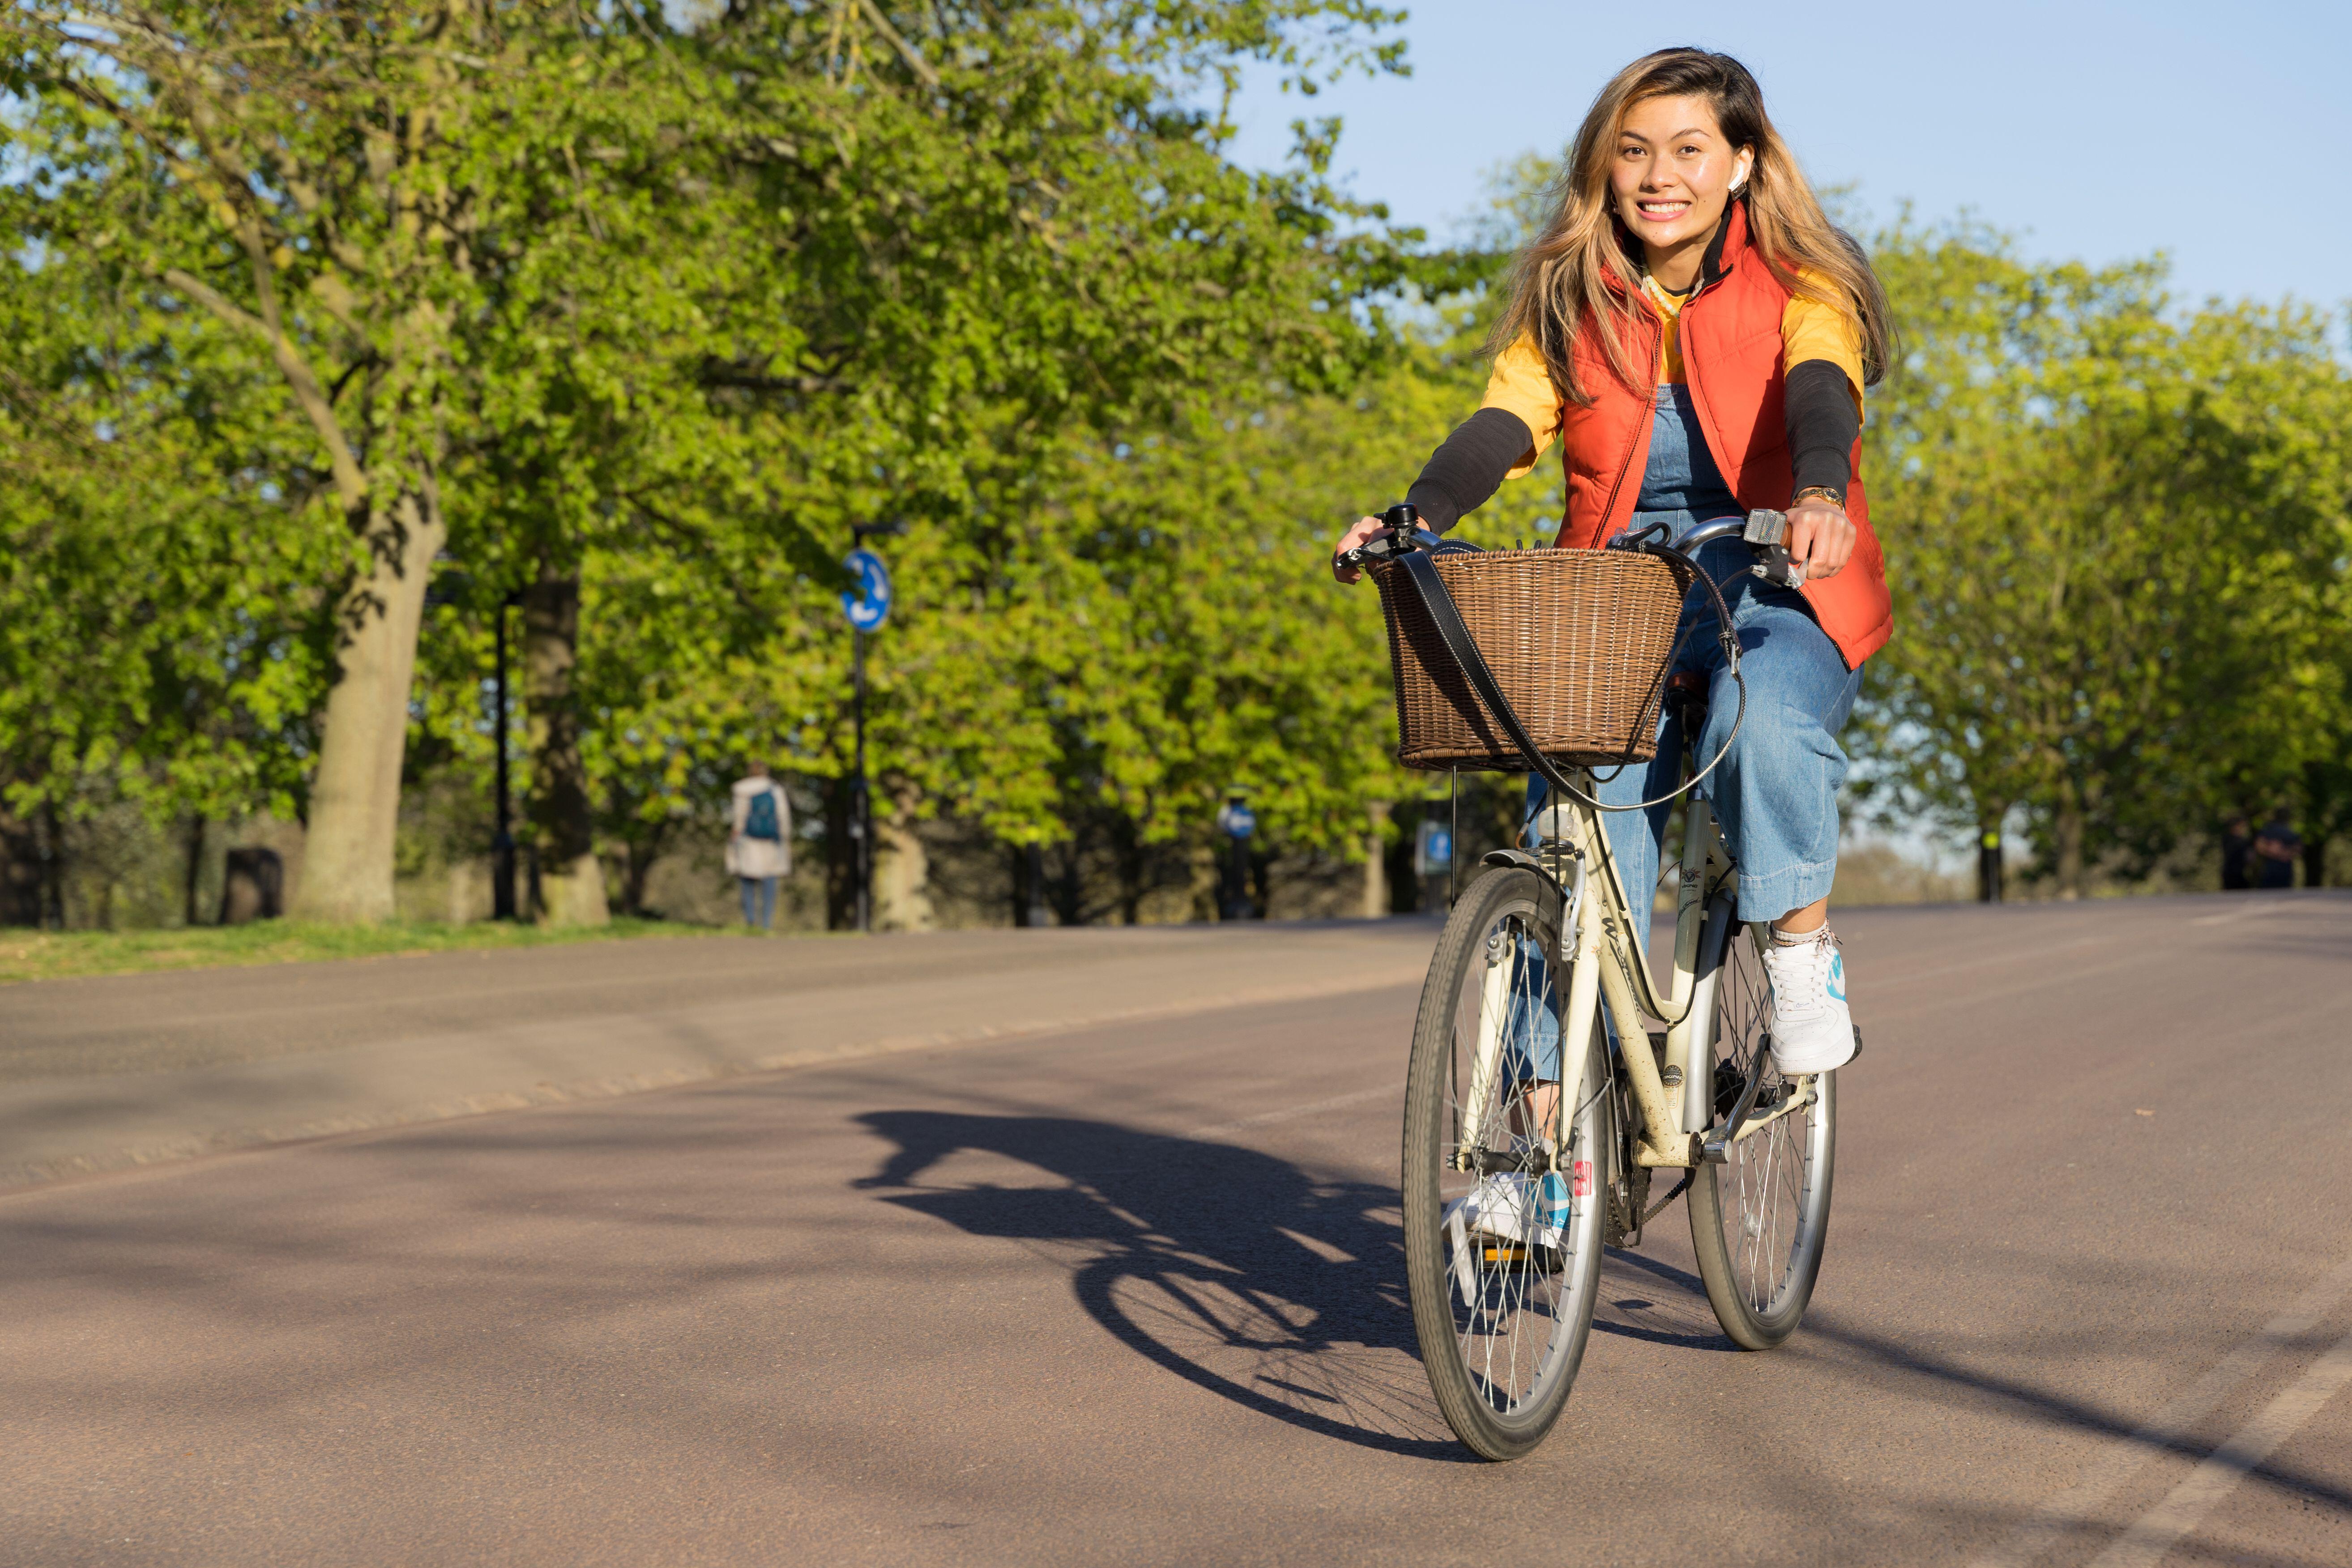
<point>1525,862</point>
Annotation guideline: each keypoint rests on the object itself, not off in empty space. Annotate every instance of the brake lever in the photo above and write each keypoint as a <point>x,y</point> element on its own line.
<point>1403,534</point>
<point>1404,521</point>
<point>1766,533</point>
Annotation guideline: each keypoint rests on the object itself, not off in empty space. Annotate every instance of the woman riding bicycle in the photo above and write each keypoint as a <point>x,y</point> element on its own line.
<point>1696,334</point>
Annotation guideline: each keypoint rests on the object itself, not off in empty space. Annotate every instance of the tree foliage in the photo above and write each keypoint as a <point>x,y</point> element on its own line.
<point>651,316</point>
<point>629,317</point>
<point>2117,537</point>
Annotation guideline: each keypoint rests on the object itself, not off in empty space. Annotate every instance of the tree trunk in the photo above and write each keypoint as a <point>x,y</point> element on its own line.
<point>53,869</point>
<point>2067,842</point>
<point>2319,819</point>
<point>1133,865</point>
<point>1397,868</point>
<point>1376,879</point>
<point>1208,877</point>
<point>902,895</point>
<point>354,816</point>
<point>23,869</point>
<point>195,867</point>
<point>1029,908</point>
<point>570,881</point>
<point>1064,889</point>
<point>642,852</point>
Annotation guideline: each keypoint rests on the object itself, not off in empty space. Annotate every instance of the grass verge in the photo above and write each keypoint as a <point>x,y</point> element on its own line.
<point>52,955</point>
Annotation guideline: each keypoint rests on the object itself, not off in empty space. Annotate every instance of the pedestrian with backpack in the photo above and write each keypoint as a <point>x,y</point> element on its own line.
<point>759,844</point>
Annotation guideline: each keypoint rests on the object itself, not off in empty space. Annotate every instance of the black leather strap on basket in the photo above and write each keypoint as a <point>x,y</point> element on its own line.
<point>1420,570</point>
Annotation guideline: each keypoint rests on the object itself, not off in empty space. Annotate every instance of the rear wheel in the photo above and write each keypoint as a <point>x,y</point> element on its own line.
<point>1502,1256</point>
<point>1760,1220</point>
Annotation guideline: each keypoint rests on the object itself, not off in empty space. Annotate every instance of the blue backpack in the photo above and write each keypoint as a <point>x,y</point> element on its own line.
<point>760,822</point>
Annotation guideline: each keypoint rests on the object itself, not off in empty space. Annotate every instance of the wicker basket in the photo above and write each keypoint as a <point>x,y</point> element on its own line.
<point>1578,641</point>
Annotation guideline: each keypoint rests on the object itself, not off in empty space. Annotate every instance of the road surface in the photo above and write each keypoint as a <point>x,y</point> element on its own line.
<point>1132,1293</point>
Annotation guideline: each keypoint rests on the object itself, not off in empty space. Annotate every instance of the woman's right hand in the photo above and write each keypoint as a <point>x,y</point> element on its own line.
<point>1364,529</point>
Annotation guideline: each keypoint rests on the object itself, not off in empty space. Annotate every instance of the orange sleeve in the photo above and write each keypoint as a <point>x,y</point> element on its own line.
<point>1520,385</point>
<point>1810,330</point>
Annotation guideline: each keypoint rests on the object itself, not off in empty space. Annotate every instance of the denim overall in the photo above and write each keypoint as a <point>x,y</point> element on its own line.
<point>1775,792</point>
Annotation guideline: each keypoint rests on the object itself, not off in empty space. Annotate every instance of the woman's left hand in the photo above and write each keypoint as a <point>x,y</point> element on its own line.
<point>1821,537</point>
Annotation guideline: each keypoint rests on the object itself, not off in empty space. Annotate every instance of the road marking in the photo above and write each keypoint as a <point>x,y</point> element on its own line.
<point>2154,1532</point>
<point>1334,1103</point>
<point>1987,961</point>
<point>2169,1428</point>
<point>2264,907</point>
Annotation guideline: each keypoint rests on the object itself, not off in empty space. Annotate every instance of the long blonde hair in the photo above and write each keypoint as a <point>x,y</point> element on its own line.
<point>1559,282</point>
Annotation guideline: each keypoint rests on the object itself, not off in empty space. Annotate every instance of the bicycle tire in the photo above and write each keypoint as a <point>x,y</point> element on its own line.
<point>1773,1184</point>
<point>1472,1294</point>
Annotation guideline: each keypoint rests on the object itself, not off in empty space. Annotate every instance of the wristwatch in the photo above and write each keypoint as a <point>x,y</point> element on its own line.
<point>1836,497</point>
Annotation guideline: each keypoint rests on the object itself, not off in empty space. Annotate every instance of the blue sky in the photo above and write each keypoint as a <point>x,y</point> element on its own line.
<point>2219,133</point>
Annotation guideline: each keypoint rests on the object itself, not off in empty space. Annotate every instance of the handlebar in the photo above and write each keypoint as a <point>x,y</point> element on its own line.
<point>1764,531</point>
<point>1402,532</point>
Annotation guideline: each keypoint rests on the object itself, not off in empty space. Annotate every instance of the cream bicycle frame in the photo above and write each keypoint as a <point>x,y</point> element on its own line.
<point>1606,969</point>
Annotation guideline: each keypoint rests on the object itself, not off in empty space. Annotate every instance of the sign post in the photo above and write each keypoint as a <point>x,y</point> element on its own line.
<point>1238,822</point>
<point>866,602</point>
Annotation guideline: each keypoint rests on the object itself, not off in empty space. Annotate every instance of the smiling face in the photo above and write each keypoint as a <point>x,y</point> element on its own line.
<point>1673,173</point>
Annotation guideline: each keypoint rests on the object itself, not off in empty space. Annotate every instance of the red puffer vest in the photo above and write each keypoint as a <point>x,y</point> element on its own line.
<point>1731,358</point>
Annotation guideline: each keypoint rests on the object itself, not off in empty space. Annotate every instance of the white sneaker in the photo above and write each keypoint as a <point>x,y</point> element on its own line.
<point>1515,1208</point>
<point>1812,1029</point>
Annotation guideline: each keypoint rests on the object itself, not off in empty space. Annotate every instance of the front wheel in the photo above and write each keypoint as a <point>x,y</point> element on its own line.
<point>1502,1255</point>
<point>1760,1220</point>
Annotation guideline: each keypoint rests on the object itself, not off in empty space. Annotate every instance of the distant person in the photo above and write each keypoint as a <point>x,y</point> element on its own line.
<point>759,844</point>
<point>2237,844</point>
<point>2276,849</point>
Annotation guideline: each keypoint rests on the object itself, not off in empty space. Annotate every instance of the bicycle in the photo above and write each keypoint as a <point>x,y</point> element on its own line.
<point>1510,1195</point>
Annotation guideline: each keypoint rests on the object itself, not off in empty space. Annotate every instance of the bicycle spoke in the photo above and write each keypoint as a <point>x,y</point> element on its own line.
<point>1509,1290</point>
<point>1765,1205</point>
<point>1504,1265</point>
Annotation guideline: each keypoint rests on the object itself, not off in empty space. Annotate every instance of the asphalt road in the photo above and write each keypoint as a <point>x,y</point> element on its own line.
<point>1132,1294</point>
<point>104,1074</point>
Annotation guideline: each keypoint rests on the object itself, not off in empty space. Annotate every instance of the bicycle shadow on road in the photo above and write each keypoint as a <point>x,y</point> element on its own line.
<point>1233,1269</point>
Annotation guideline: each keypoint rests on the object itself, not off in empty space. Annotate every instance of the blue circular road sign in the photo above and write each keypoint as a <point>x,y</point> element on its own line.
<point>868,604</point>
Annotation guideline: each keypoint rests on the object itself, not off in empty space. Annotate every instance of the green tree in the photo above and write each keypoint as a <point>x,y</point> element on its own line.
<point>996,239</point>
<point>160,635</point>
<point>314,181</point>
<point>2113,536</point>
